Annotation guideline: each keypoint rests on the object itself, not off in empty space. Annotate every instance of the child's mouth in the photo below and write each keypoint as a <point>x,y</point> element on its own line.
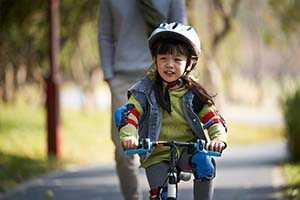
<point>169,72</point>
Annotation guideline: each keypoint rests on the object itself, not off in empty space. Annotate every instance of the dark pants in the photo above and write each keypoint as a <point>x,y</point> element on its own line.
<point>203,190</point>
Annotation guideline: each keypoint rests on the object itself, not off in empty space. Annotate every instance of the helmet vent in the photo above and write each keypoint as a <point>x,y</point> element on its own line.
<point>175,25</point>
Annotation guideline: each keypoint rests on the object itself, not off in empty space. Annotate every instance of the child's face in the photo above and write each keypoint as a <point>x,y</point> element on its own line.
<point>171,66</point>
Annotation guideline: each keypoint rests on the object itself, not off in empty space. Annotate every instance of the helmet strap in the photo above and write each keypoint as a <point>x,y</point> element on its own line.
<point>174,83</point>
<point>190,65</point>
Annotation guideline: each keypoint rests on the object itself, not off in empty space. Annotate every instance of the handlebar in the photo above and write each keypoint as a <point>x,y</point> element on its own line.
<point>146,146</point>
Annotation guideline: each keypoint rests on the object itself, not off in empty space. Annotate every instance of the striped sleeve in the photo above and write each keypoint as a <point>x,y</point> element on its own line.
<point>131,128</point>
<point>214,123</point>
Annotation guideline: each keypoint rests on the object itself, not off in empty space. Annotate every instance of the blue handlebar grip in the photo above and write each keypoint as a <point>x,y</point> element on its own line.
<point>134,151</point>
<point>146,145</point>
<point>212,153</point>
<point>199,146</point>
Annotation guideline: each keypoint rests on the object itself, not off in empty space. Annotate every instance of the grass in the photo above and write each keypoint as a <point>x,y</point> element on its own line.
<point>22,145</point>
<point>292,174</point>
<point>23,149</point>
<point>85,138</point>
<point>239,133</point>
<point>15,169</point>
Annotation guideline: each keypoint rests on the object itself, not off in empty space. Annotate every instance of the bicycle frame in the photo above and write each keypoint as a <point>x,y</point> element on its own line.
<point>146,146</point>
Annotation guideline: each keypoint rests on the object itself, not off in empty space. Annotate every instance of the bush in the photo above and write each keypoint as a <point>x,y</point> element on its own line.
<point>291,112</point>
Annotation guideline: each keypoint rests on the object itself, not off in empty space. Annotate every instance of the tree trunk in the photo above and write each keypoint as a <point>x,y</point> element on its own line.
<point>8,93</point>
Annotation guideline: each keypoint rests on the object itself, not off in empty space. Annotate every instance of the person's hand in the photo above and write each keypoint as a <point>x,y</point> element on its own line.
<point>130,143</point>
<point>218,146</point>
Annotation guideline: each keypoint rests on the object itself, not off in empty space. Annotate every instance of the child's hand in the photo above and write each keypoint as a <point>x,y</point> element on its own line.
<point>218,146</point>
<point>130,143</point>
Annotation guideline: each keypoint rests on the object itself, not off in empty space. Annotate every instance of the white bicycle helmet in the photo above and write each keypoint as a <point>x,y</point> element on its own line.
<point>179,31</point>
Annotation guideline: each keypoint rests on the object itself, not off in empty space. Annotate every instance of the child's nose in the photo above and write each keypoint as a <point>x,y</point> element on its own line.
<point>170,63</point>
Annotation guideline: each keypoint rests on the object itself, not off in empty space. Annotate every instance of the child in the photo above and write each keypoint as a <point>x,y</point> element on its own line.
<point>168,104</point>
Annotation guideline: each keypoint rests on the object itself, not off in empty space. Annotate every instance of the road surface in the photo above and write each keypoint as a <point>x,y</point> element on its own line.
<point>244,173</point>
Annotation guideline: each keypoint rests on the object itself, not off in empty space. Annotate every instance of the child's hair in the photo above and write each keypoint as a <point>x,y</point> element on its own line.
<point>171,46</point>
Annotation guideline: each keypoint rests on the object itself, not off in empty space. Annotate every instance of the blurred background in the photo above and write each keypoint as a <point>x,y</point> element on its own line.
<point>250,60</point>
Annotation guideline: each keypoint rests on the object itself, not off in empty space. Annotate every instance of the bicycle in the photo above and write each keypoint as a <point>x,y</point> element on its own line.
<point>173,176</point>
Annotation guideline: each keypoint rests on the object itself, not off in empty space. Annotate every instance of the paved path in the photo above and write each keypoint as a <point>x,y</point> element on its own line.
<point>244,173</point>
<point>251,172</point>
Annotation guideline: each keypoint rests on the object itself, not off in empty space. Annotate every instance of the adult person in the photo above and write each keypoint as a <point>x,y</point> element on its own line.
<point>124,27</point>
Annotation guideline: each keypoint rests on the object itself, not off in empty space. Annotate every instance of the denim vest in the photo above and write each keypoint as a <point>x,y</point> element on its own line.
<point>150,122</point>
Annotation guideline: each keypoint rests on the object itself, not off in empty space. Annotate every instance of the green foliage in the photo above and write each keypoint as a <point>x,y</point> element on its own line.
<point>288,14</point>
<point>292,172</point>
<point>24,28</point>
<point>74,15</point>
<point>291,111</point>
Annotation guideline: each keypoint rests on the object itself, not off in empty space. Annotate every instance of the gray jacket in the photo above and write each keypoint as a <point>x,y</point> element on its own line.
<point>150,122</point>
<point>122,35</point>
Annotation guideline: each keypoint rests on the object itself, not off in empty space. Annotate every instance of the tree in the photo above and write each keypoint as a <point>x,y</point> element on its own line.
<point>220,18</point>
<point>288,15</point>
<point>24,38</point>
